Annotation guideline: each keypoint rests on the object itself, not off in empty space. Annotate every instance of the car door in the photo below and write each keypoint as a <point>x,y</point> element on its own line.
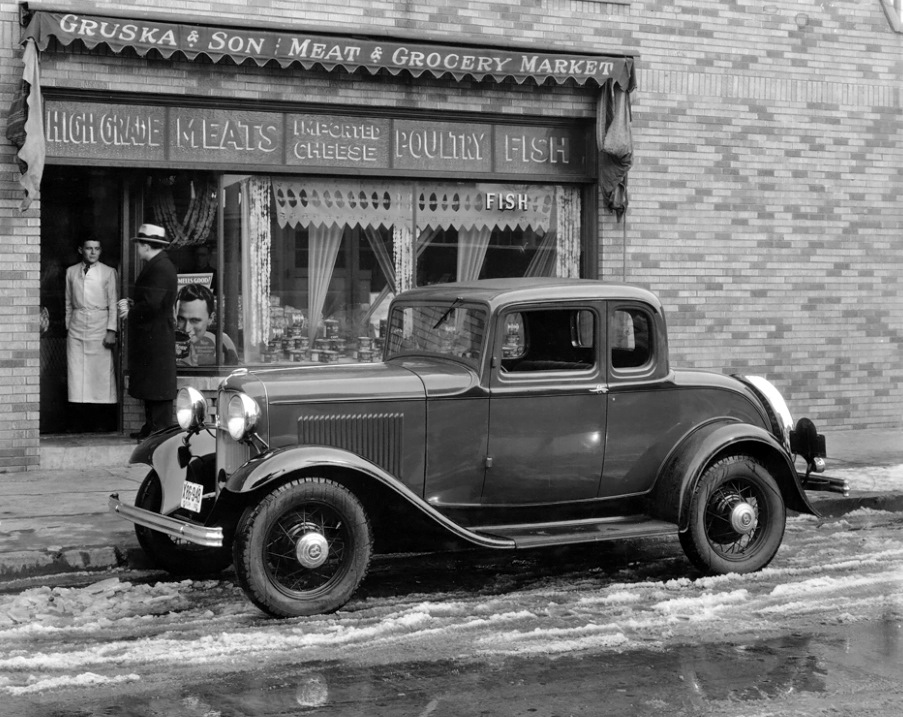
<point>547,405</point>
<point>644,409</point>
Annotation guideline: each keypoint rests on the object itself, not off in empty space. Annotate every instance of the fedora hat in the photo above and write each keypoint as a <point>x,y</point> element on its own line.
<point>152,234</point>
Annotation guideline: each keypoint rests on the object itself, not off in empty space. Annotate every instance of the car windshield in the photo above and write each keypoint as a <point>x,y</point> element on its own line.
<point>448,328</point>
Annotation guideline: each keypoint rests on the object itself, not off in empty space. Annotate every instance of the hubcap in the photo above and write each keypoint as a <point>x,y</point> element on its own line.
<point>312,550</point>
<point>743,518</point>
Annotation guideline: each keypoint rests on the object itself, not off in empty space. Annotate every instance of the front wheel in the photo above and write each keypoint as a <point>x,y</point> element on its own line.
<point>736,520</point>
<point>304,549</point>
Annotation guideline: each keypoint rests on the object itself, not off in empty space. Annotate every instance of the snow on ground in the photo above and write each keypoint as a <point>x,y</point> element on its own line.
<point>116,631</point>
<point>869,479</point>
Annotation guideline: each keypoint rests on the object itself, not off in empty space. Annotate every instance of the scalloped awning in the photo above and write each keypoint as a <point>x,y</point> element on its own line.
<point>329,52</point>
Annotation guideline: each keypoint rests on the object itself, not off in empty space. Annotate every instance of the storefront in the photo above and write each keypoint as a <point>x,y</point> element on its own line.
<point>294,223</point>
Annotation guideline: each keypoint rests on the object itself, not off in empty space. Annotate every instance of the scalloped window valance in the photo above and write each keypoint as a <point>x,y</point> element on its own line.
<point>324,202</point>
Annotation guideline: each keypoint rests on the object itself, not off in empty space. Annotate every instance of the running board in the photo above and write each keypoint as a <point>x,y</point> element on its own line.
<point>533,535</point>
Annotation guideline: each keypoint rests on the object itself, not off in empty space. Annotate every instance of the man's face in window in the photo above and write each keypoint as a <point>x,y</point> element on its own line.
<point>193,318</point>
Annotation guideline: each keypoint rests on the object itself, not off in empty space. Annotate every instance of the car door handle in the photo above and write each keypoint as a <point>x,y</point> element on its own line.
<point>599,389</point>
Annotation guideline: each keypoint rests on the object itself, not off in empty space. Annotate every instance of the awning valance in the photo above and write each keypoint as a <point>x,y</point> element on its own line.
<point>329,52</point>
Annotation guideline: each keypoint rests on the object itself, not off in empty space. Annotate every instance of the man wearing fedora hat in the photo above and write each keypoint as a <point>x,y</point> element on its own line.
<point>152,330</point>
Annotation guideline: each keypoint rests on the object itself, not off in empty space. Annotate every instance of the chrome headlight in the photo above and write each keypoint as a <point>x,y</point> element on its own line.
<point>777,404</point>
<point>242,414</point>
<point>191,408</point>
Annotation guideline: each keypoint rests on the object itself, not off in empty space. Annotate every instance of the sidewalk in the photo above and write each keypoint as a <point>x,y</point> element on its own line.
<point>56,520</point>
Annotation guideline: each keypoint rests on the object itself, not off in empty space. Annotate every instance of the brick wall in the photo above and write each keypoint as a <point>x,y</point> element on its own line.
<point>765,196</point>
<point>19,280</point>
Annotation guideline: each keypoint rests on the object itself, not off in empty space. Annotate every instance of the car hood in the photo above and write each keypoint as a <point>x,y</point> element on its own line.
<point>329,382</point>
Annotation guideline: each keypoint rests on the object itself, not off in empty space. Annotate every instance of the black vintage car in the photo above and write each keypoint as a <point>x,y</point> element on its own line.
<point>505,414</point>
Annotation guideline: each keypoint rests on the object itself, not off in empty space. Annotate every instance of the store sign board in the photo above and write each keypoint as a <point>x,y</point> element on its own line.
<point>226,136</point>
<point>326,51</point>
<point>546,150</point>
<point>338,141</point>
<point>233,138</point>
<point>88,131</point>
<point>442,145</point>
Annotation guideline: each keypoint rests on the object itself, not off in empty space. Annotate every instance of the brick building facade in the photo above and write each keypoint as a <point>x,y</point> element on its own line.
<point>764,194</point>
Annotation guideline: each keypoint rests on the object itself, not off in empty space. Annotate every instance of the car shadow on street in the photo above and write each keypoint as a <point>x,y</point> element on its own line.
<point>494,572</point>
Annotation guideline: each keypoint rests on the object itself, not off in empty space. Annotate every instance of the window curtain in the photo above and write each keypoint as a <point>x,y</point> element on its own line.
<point>567,206</point>
<point>386,263</point>
<point>257,240</point>
<point>323,249</point>
<point>403,249</point>
<point>406,255</point>
<point>543,262</point>
<point>382,256</point>
<point>25,125</point>
<point>472,246</point>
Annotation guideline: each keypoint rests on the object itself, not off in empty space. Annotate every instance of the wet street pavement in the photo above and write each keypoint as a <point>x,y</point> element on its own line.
<point>633,632</point>
<point>846,670</point>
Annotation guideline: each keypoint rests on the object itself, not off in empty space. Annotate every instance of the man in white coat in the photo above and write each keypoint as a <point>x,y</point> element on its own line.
<point>91,315</point>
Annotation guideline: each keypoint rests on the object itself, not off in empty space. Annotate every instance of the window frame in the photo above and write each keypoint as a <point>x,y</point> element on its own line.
<point>504,377</point>
<point>645,370</point>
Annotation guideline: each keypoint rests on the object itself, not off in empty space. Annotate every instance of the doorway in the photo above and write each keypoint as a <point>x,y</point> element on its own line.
<point>76,204</point>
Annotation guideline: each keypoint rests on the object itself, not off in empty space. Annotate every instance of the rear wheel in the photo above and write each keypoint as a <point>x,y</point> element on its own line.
<point>304,549</point>
<point>175,556</point>
<point>737,518</point>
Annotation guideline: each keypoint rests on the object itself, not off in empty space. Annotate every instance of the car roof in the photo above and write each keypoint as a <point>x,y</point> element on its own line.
<point>497,292</point>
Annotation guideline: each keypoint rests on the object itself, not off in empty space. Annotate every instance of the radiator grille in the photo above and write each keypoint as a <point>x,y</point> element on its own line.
<point>230,454</point>
<point>374,436</point>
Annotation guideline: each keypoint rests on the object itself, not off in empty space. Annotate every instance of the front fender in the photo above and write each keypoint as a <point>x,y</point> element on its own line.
<point>688,461</point>
<point>144,451</point>
<point>276,466</point>
<point>161,452</point>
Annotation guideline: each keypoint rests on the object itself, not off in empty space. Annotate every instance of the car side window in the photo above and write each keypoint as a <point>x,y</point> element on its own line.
<point>631,338</point>
<point>549,340</point>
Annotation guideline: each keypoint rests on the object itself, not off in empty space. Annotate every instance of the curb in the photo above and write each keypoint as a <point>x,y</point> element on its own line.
<point>835,507</point>
<point>36,563</point>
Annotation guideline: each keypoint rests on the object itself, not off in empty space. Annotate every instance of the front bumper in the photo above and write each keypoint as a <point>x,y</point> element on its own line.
<point>211,537</point>
<point>826,484</point>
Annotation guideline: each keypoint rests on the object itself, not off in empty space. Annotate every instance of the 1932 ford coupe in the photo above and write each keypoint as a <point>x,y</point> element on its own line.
<point>505,414</point>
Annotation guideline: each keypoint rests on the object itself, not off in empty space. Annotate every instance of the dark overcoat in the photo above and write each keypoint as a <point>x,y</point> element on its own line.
<point>152,331</point>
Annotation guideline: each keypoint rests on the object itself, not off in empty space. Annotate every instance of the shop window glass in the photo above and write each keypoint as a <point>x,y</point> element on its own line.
<point>321,258</point>
<point>185,204</point>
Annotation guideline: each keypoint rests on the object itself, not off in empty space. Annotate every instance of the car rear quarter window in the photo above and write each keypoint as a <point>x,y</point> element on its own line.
<point>631,339</point>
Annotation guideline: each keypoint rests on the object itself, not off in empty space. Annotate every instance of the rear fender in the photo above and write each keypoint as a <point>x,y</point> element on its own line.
<point>161,452</point>
<point>680,475</point>
<point>281,465</point>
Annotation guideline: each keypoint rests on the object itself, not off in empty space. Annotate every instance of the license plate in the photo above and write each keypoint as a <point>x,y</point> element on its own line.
<point>192,493</point>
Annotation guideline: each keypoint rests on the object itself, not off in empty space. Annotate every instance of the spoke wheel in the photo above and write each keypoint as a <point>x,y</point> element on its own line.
<point>736,519</point>
<point>303,549</point>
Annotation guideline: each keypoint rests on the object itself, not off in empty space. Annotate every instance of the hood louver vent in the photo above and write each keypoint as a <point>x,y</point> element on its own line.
<point>374,436</point>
